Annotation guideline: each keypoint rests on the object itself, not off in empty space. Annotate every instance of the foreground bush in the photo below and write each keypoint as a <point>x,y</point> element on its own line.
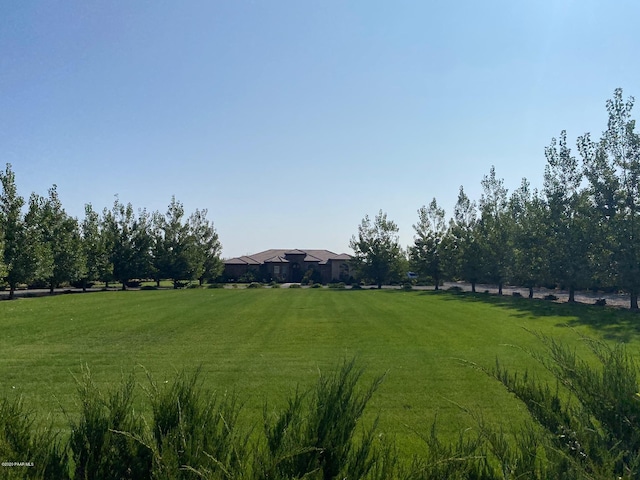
<point>597,426</point>
<point>586,426</point>
<point>314,437</point>
<point>31,452</point>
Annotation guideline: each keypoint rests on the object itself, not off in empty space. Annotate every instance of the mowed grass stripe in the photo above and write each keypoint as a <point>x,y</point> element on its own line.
<point>262,343</point>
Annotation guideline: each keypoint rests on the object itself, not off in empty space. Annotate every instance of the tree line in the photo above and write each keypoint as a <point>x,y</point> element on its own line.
<point>579,231</point>
<point>42,245</point>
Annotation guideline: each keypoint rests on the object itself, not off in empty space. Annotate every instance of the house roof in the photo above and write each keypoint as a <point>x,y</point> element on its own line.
<point>244,260</point>
<point>322,257</point>
<point>276,259</point>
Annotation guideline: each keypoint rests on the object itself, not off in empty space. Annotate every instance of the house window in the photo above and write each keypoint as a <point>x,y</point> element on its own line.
<point>276,269</point>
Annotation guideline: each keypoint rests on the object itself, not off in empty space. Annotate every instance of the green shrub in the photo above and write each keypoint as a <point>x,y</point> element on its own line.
<point>597,432</point>
<point>249,277</point>
<point>20,441</point>
<point>215,285</point>
<point>295,285</point>
<point>254,285</point>
<point>356,286</point>
<point>316,285</point>
<point>315,432</point>
<point>194,433</point>
<point>102,439</point>
<point>311,276</point>
<point>454,288</point>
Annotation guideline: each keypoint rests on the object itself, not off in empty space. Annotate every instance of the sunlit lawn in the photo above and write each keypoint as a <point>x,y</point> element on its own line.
<point>262,343</point>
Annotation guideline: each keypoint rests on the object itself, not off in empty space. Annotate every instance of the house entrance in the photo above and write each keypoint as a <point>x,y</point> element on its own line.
<point>296,273</point>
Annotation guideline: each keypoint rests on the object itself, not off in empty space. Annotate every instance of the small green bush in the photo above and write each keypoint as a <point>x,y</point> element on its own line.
<point>215,285</point>
<point>316,285</point>
<point>551,297</point>
<point>98,445</point>
<point>22,441</point>
<point>454,288</point>
<point>295,285</point>
<point>314,436</point>
<point>356,286</point>
<point>194,433</point>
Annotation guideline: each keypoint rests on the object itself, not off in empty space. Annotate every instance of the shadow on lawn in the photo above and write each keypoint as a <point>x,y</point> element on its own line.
<point>612,323</point>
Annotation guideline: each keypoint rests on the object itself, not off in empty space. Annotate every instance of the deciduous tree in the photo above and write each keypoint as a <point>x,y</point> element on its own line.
<point>21,249</point>
<point>529,261</point>
<point>377,252</point>
<point>494,230</point>
<point>463,256</point>
<point>425,256</point>
<point>61,239</point>
<point>568,217</point>
<point>130,242</point>
<point>613,170</point>
<point>95,248</point>
<point>208,246</point>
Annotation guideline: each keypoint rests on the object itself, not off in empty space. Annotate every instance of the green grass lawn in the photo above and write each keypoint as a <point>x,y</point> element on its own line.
<point>262,343</point>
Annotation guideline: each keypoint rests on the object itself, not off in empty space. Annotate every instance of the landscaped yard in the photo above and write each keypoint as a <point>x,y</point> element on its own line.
<point>262,343</point>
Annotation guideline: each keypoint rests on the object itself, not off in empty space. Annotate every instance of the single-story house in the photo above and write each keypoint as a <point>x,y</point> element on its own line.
<point>284,265</point>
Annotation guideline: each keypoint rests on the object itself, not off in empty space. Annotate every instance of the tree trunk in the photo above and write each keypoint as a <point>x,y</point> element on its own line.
<point>124,285</point>
<point>500,289</point>
<point>530,292</point>
<point>12,290</point>
<point>51,287</point>
<point>572,294</point>
<point>158,282</point>
<point>634,300</point>
<point>379,285</point>
<point>437,279</point>
<point>84,285</point>
<point>200,281</point>
<point>106,285</point>
<point>473,287</point>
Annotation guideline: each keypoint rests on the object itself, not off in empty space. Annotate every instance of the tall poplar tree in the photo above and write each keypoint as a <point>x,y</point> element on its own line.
<point>425,255</point>
<point>21,253</point>
<point>568,217</point>
<point>463,255</point>
<point>613,169</point>
<point>494,230</point>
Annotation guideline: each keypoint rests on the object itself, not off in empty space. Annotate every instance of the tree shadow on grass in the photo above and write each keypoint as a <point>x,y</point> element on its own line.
<point>611,323</point>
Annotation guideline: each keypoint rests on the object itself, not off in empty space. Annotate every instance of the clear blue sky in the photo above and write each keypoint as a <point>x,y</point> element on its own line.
<point>291,120</point>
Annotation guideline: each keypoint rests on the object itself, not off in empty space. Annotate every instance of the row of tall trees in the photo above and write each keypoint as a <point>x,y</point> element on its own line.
<point>41,243</point>
<point>582,230</point>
